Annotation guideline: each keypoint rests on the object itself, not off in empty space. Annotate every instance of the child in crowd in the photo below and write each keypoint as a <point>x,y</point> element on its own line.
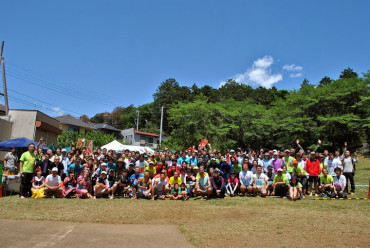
<point>176,192</point>
<point>38,183</point>
<point>184,192</point>
<point>232,185</point>
<point>295,189</point>
<point>69,185</point>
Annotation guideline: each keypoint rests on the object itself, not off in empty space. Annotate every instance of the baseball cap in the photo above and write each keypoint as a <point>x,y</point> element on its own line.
<point>120,160</point>
<point>287,150</point>
<point>232,150</point>
<point>280,169</point>
<point>196,168</point>
<point>269,167</point>
<point>213,159</point>
<point>131,164</point>
<point>267,154</point>
<point>64,150</point>
<point>54,169</point>
<point>77,159</point>
<point>295,162</point>
<point>224,159</point>
<point>103,164</point>
<point>271,151</point>
<point>313,153</point>
<point>151,162</point>
<point>216,170</point>
<point>111,170</point>
<point>276,153</point>
<point>104,172</point>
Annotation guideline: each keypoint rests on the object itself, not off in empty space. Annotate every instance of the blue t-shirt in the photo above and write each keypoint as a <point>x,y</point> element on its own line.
<point>76,169</point>
<point>112,166</point>
<point>135,177</point>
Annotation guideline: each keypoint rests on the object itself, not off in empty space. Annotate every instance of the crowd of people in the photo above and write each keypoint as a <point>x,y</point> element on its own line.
<point>293,173</point>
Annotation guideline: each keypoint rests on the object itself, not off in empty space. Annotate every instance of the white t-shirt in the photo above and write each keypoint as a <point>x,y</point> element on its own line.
<point>246,177</point>
<point>53,181</point>
<point>260,180</point>
<point>141,164</point>
<point>160,183</point>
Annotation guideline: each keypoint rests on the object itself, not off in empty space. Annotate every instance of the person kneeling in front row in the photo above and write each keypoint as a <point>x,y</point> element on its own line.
<point>339,182</point>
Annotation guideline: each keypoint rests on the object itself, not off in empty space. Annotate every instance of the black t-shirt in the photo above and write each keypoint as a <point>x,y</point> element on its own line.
<point>111,180</point>
<point>125,181</point>
<point>100,180</point>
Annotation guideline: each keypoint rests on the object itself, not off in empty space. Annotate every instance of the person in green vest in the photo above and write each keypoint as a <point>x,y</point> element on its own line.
<point>26,169</point>
<point>288,160</point>
<point>326,183</point>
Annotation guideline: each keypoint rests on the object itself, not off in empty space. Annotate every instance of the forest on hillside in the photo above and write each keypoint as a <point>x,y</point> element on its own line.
<point>238,115</point>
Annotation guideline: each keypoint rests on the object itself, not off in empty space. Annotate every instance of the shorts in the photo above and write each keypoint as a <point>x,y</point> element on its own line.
<point>101,192</point>
<point>314,179</point>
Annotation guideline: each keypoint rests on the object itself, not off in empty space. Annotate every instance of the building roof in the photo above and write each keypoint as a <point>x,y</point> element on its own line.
<point>146,133</point>
<point>103,126</point>
<point>68,119</point>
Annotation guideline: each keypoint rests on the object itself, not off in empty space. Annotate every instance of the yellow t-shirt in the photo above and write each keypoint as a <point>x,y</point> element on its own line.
<point>198,176</point>
<point>152,171</point>
<point>173,181</point>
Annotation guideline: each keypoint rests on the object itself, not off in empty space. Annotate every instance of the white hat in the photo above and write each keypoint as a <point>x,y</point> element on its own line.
<point>64,150</point>
<point>103,164</point>
<point>280,169</point>
<point>104,172</point>
<point>54,169</point>
<point>232,150</point>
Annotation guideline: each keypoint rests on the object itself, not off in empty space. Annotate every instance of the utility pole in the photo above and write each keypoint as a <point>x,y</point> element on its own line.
<point>4,79</point>
<point>160,130</point>
<point>137,121</point>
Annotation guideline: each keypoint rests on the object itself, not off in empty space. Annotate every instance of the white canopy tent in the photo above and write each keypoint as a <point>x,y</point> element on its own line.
<point>117,146</point>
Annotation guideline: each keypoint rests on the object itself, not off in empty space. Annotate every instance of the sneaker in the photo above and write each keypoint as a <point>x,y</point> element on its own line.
<point>111,197</point>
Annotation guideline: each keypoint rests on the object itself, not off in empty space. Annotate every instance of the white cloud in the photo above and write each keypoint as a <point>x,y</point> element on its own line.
<point>294,75</point>
<point>259,73</point>
<point>58,111</point>
<point>292,67</point>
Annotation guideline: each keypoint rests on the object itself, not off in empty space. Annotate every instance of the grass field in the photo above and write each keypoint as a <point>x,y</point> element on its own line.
<point>231,222</point>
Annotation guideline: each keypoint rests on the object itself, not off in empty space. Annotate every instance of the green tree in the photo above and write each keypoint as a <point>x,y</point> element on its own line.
<point>99,138</point>
<point>348,73</point>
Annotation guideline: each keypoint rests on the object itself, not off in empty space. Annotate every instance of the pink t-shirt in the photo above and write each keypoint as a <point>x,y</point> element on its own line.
<point>233,181</point>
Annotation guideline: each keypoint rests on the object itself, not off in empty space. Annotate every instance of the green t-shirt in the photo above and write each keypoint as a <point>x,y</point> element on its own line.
<point>281,178</point>
<point>327,180</point>
<point>28,160</point>
<point>237,169</point>
<point>297,171</point>
<point>178,191</point>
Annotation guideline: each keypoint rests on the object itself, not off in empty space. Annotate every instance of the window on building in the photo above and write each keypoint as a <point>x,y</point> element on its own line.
<point>73,129</point>
<point>149,141</point>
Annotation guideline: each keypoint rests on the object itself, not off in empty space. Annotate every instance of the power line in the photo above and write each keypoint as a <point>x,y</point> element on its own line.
<point>11,74</point>
<point>30,103</point>
<point>33,74</point>
<point>71,111</point>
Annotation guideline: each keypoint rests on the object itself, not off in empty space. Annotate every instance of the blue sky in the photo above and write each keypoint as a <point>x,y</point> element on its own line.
<point>85,57</point>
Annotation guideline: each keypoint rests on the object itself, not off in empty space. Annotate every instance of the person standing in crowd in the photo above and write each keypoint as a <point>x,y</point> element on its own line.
<point>10,160</point>
<point>270,175</point>
<point>65,161</point>
<point>349,167</point>
<point>266,161</point>
<point>313,170</point>
<point>141,163</point>
<point>276,162</point>
<point>287,161</point>
<point>45,165</point>
<point>225,169</point>
<point>26,167</point>
<point>59,165</point>
<point>76,167</point>
<point>52,184</point>
<point>301,175</point>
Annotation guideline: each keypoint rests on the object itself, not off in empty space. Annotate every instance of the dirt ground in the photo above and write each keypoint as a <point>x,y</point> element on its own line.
<point>15,233</point>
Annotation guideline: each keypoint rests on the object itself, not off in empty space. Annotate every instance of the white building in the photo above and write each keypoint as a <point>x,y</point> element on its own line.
<point>139,138</point>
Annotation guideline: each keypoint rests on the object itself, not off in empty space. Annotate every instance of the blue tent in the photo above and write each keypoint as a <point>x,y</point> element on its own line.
<point>17,143</point>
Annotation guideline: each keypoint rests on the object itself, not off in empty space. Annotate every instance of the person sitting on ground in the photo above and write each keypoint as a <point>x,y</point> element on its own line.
<point>184,192</point>
<point>326,183</point>
<point>339,182</point>
<point>232,187</point>
<point>52,184</point>
<point>38,183</point>
<point>280,184</point>
<point>203,185</point>
<point>176,192</point>
<point>260,182</point>
<point>160,186</point>
<point>270,175</point>
<point>245,179</point>
<point>102,186</point>
<point>122,185</point>
<point>69,186</point>
<point>84,185</point>
<point>143,187</point>
<point>175,179</point>
<point>218,184</point>
<point>190,182</point>
<point>111,181</point>
<point>295,189</point>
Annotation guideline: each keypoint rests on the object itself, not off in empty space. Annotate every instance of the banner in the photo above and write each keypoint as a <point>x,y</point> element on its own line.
<point>203,144</point>
<point>89,145</point>
<point>80,143</point>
